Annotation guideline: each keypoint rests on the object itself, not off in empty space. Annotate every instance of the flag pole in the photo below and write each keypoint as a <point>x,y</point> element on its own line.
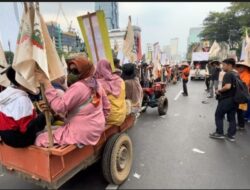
<point>47,113</point>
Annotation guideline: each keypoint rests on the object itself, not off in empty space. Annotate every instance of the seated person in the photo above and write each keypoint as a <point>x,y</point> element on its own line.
<point>84,103</point>
<point>115,89</point>
<point>133,88</point>
<point>19,122</point>
<point>118,68</point>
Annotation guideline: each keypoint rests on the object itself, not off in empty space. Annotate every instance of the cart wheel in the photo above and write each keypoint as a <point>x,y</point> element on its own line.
<point>117,159</point>
<point>145,103</point>
<point>162,105</point>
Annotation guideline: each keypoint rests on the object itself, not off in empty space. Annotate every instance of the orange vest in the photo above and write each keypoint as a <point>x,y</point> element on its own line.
<point>185,73</point>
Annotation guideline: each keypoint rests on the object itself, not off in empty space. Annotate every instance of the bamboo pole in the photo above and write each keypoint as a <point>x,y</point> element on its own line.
<point>47,113</point>
<point>47,116</point>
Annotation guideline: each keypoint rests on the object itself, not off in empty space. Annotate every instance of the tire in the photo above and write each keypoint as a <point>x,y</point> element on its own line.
<point>145,103</point>
<point>162,105</point>
<point>192,78</point>
<point>117,159</point>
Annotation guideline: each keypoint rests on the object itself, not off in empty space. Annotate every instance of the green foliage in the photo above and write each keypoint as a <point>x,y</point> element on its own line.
<point>228,26</point>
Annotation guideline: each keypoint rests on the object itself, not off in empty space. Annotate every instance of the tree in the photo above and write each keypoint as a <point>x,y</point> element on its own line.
<point>9,55</point>
<point>228,26</point>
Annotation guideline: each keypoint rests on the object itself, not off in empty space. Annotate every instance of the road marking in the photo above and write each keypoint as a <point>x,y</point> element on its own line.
<point>112,186</point>
<point>198,151</point>
<point>178,95</point>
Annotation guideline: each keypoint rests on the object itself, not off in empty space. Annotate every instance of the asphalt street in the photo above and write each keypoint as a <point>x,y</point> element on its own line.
<point>173,151</point>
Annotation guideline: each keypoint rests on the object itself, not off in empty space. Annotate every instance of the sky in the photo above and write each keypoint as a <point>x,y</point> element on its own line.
<point>159,21</point>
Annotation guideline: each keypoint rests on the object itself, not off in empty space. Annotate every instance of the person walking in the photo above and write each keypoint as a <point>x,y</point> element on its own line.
<point>226,104</point>
<point>214,82</point>
<point>184,76</point>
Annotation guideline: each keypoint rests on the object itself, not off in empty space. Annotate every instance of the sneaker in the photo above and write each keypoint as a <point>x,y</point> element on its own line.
<point>210,97</point>
<point>216,136</point>
<point>240,128</point>
<point>230,138</point>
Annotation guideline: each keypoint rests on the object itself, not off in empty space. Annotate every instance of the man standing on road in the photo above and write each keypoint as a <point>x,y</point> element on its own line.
<point>185,75</point>
<point>208,76</point>
<point>214,82</point>
<point>226,104</point>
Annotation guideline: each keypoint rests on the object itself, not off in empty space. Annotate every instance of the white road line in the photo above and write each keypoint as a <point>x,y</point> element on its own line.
<point>178,95</point>
<point>112,186</point>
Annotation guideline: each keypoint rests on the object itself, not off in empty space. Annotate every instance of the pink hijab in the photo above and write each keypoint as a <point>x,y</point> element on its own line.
<point>110,82</point>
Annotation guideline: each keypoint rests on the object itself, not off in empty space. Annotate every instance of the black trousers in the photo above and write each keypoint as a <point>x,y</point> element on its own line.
<point>240,117</point>
<point>184,82</point>
<point>19,140</point>
<point>207,82</point>
<point>226,106</point>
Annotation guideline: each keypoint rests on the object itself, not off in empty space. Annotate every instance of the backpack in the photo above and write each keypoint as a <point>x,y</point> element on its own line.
<point>241,95</point>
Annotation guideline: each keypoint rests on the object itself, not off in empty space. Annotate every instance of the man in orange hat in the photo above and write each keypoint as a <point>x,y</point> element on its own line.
<point>244,72</point>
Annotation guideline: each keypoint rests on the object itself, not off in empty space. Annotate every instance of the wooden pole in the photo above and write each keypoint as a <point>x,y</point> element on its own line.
<point>47,116</point>
<point>93,36</point>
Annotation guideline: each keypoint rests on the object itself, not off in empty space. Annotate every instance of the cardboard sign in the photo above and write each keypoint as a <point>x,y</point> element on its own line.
<point>95,33</point>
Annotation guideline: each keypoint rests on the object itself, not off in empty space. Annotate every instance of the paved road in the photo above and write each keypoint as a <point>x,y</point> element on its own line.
<point>164,150</point>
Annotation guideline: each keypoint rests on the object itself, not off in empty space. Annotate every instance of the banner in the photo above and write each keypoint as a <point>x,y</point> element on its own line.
<point>95,33</point>
<point>200,56</point>
<point>35,48</point>
<point>129,48</point>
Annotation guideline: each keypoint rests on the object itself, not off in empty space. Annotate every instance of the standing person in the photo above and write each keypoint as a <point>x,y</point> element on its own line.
<point>185,75</point>
<point>214,82</point>
<point>208,76</point>
<point>244,72</point>
<point>226,104</point>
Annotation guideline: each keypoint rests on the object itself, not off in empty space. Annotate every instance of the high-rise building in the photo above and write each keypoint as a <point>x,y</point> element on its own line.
<point>174,46</point>
<point>111,13</point>
<point>65,41</point>
<point>193,36</point>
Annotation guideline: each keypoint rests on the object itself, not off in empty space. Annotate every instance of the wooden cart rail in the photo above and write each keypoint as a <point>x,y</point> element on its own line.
<point>52,167</point>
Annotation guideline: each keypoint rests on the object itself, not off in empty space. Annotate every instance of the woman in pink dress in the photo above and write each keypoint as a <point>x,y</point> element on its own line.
<point>84,103</point>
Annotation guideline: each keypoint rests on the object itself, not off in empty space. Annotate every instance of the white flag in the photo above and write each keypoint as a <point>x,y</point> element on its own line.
<point>214,50</point>
<point>35,47</point>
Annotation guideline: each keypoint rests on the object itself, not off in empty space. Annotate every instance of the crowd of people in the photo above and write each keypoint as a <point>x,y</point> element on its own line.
<point>221,82</point>
<point>91,98</point>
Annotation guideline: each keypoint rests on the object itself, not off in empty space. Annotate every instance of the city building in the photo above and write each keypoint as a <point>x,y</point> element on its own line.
<point>174,46</point>
<point>111,13</point>
<point>65,41</point>
<point>193,36</point>
<point>117,36</point>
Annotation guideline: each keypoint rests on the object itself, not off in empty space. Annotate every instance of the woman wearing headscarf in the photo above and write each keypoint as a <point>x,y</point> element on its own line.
<point>115,89</point>
<point>84,103</point>
<point>133,87</point>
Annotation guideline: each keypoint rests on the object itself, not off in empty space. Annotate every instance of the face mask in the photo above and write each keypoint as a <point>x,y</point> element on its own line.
<point>72,78</point>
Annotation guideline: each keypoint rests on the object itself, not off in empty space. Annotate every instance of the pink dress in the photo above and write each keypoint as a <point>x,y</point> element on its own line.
<point>86,126</point>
